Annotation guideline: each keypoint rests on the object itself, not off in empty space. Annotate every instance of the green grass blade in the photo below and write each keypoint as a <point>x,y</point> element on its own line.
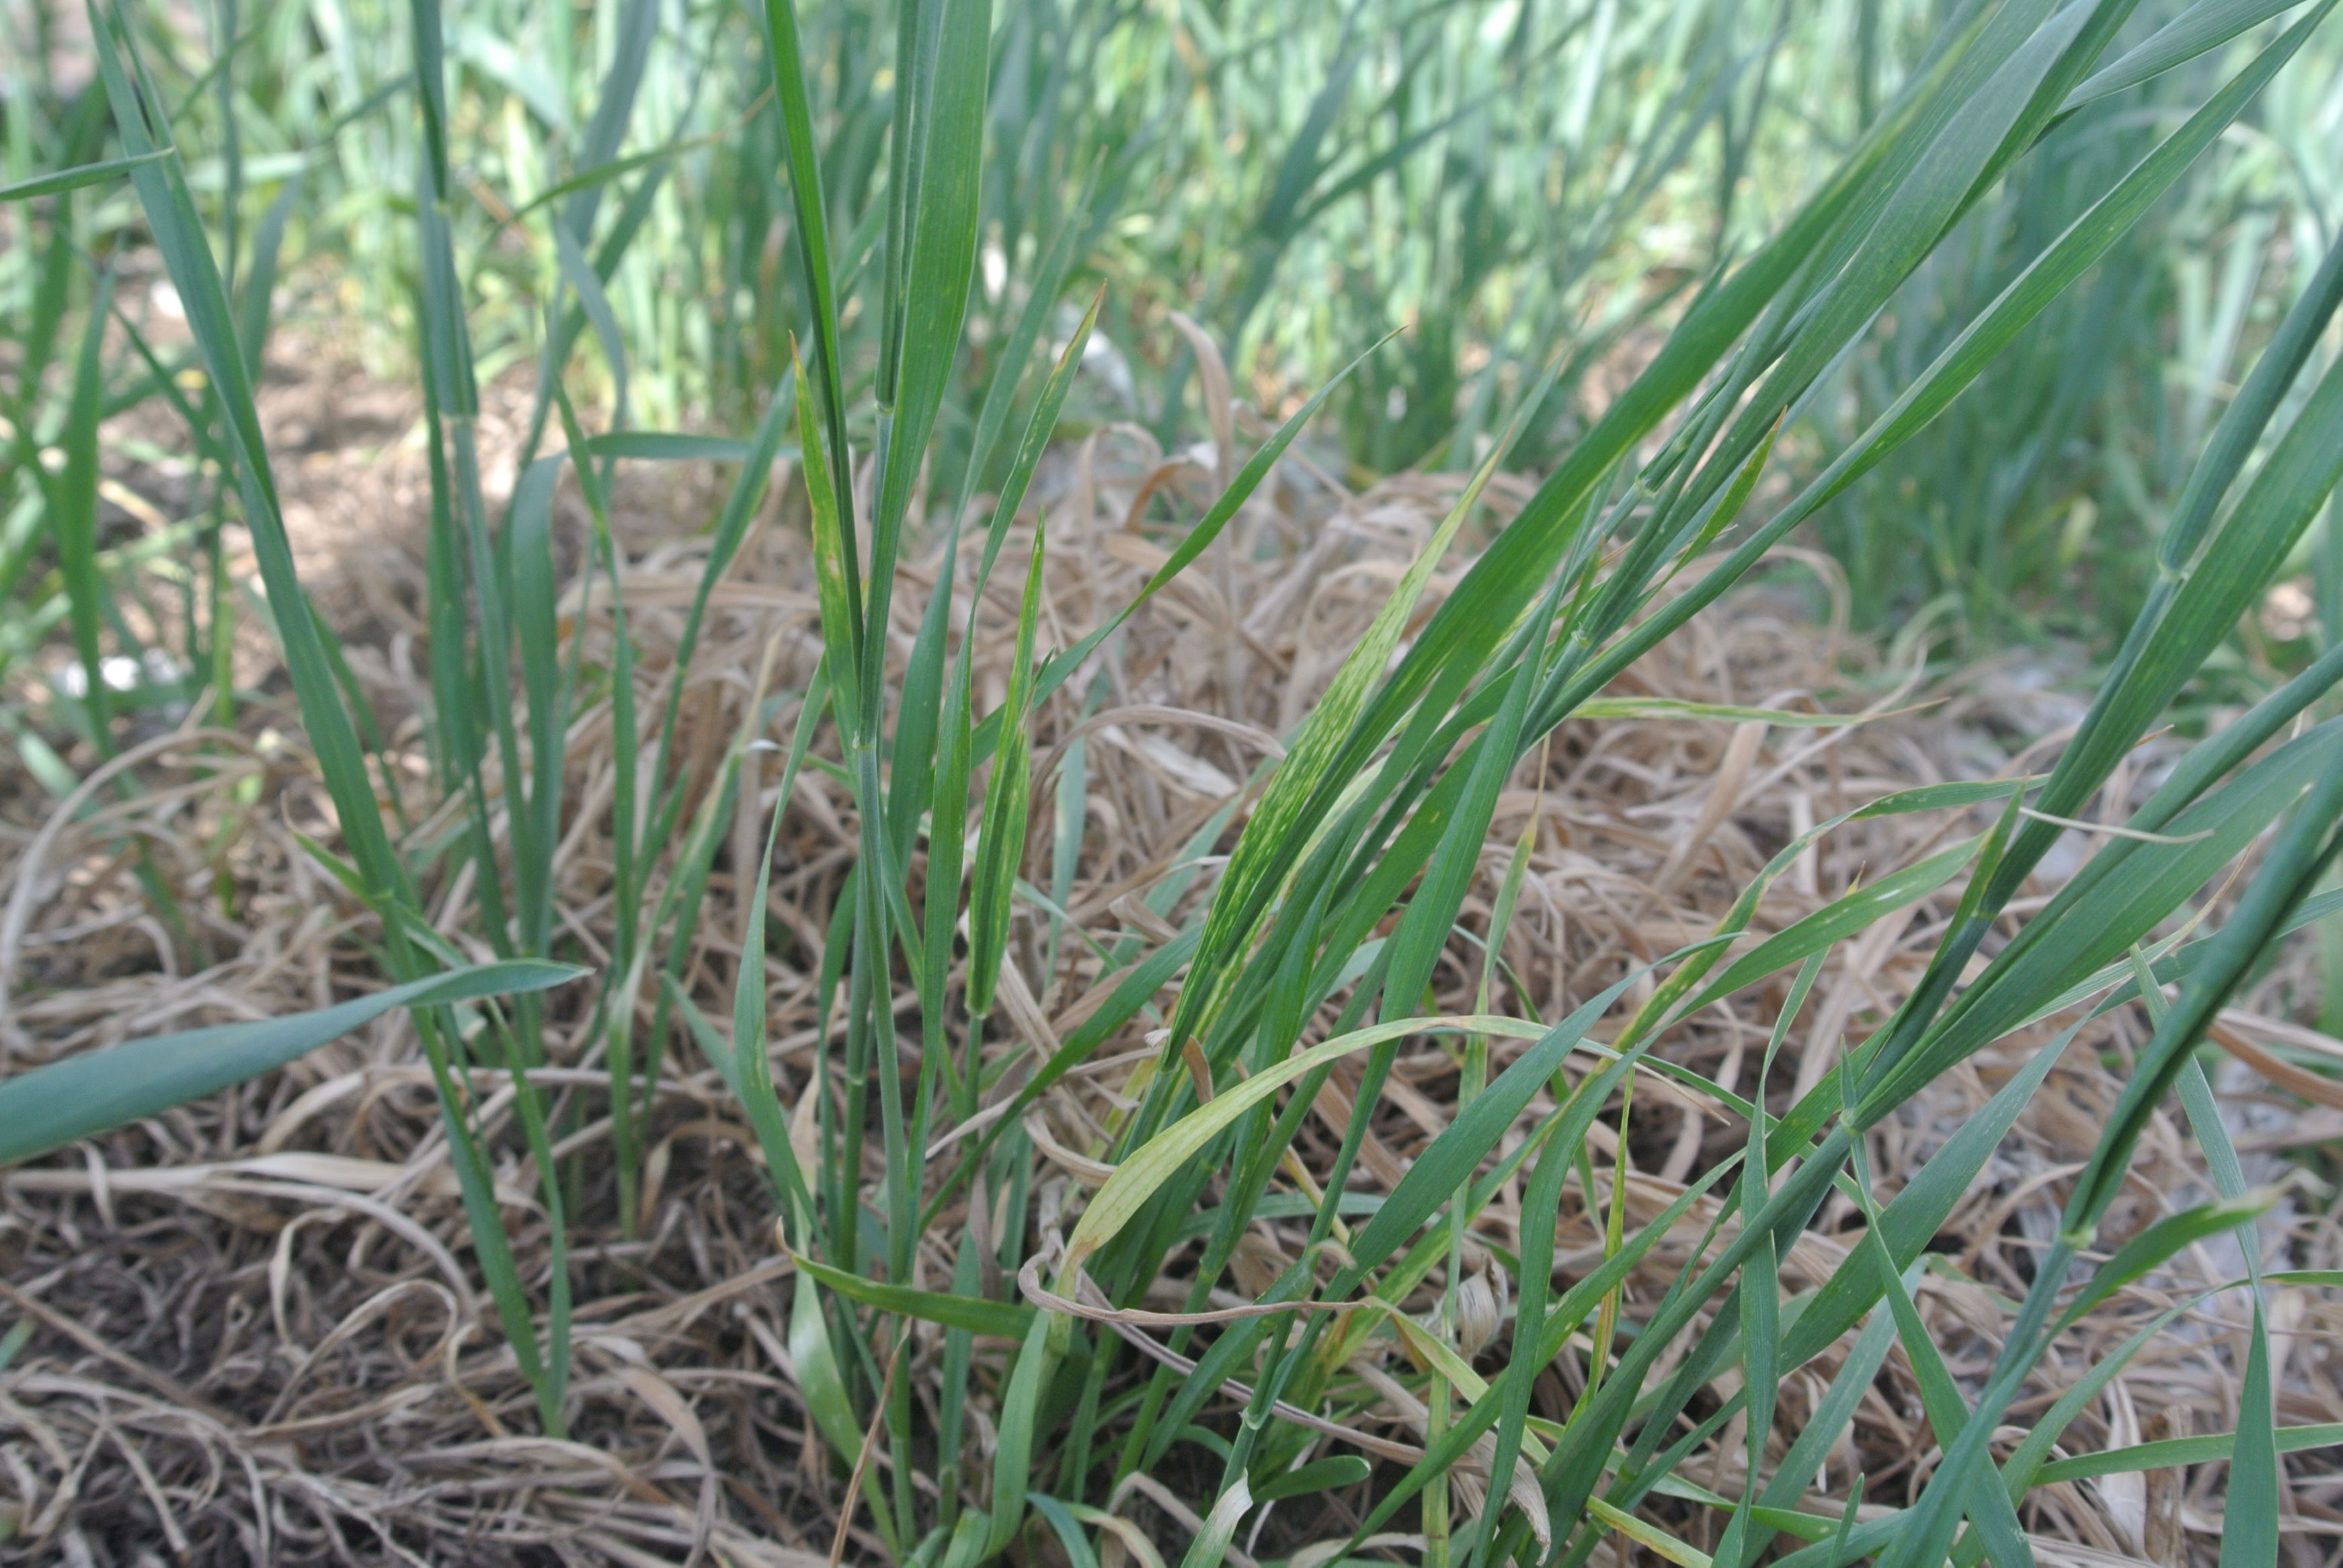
<point>1319,1475</point>
<point>2127,701</point>
<point>2254,1476</point>
<point>1761,1306</point>
<point>751,1069</point>
<point>1000,844</point>
<point>2123,893</point>
<point>178,235</point>
<point>579,273</point>
<point>925,776</point>
<point>1272,837</point>
<point>536,806</point>
<point>741,504</point>
<point>260,277</point>
<point>2207,24</point>
<point>833,556</point>
<point>73,498</point>
<point>1835,921</point>
<point>74,179</point>
<point>970,1314</point>
<point>1567,1316</point>
<point>1948,1413</point>
<point>1541,1207</point>
<point>1079,1551</point>
<point>932,240</point>
<point>2177,1450</point>
<point>614,106</point>
<point>96,1091</point>
<point>810,228</point>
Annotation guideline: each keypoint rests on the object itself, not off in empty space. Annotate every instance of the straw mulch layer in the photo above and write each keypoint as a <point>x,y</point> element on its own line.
<point>255,1330</point>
